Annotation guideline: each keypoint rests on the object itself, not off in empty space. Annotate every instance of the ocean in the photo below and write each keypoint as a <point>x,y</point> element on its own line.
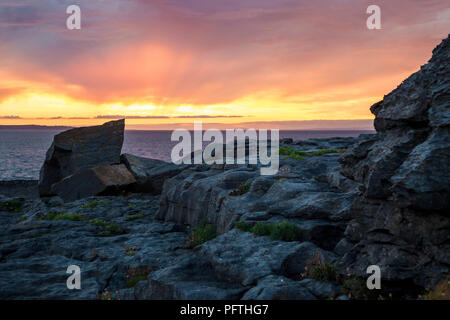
<point>22,152</point>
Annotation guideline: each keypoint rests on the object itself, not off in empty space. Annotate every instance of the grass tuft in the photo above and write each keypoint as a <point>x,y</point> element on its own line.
<point>283,231</point>
<point>55,216</point>
<point>323,151</point>
<point>262,229</point>
<point>135,275</point>
<point>201,234</point>
<point>111,229</point>
<point>98,223</point>
<point>14,205</point>
<point>108,229</point>
<point>289,152</point>
<point>134,217</point>
<point>319,269</point>
<point>243,226</point>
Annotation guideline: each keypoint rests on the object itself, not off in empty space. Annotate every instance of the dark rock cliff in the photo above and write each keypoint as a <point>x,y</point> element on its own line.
<point>401,220</point>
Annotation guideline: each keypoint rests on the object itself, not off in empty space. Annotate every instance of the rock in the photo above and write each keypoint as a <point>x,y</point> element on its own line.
<point>422,100</point>
<point>320,289</point>
<point>139,166</point>
<point>194,195</point>
<point>427,160</point>
<point>40,250</point>
<point>278,288</point>
<point>212,193</point>
<point>99,180</point>
<point>150,174</point>
<point>81,148</point>
<point>56,201</point>
<point>294,265</point>
<point>20,188</point>
<point>243,258</point>
<point>400,221</point>
<point>190,280</point>
<point>286,141</point>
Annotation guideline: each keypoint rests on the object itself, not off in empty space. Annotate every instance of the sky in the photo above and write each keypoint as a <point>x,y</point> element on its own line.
<point>163,63</point>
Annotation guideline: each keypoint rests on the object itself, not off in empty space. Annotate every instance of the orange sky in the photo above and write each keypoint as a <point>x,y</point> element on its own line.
<point>165,62</point>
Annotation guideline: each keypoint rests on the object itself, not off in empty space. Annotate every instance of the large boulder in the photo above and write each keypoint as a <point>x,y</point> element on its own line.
<point>81,148</point>
<point>401,220</point>
<point>101,180</point>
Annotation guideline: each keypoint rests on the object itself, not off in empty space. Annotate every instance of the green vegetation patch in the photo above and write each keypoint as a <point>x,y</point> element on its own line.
<point>94,204</point>
<point>134,217</point>
<point>14,205</point>
<point>111,229</point>
<point>289,152</point>
<point>134,275</point>
<point>54,216</point>
<point>243,226</point>
<point>201,234</point>
<point>323,151</point>
<point>283,231</point>
<point>262,229</point>
<point>134,280</point>
<point>107,229</point>
<point>319,269</point>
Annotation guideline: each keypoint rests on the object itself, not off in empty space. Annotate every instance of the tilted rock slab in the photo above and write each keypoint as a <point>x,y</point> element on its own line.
<point>150,174</point>
<point>101,180</point>
<point>81,148</point>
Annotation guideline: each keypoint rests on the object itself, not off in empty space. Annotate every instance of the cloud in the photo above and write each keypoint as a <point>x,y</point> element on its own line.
<point>10,117</point>
<point>9,92</point>
<point>126,117</point>
<point>203,52</point>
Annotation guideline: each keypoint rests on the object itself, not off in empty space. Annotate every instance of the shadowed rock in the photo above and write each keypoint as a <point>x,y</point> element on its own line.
<point>401,222</point>
<point>150,174</point>
<point>99,180</point>
<point>81,148</point>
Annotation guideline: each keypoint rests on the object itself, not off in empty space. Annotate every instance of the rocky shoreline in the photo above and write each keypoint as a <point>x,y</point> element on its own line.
<point>145,229</point>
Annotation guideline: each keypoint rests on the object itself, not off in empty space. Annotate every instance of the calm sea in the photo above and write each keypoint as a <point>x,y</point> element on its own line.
<point>22,152</point>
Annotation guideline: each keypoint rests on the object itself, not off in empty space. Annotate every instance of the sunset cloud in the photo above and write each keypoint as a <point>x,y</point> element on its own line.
<point>264,59</point>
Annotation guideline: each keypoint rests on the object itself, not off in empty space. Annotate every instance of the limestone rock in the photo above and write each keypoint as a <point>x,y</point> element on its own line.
<point>81,148</point>
<point>99,180</point>
<point>401,221</point>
